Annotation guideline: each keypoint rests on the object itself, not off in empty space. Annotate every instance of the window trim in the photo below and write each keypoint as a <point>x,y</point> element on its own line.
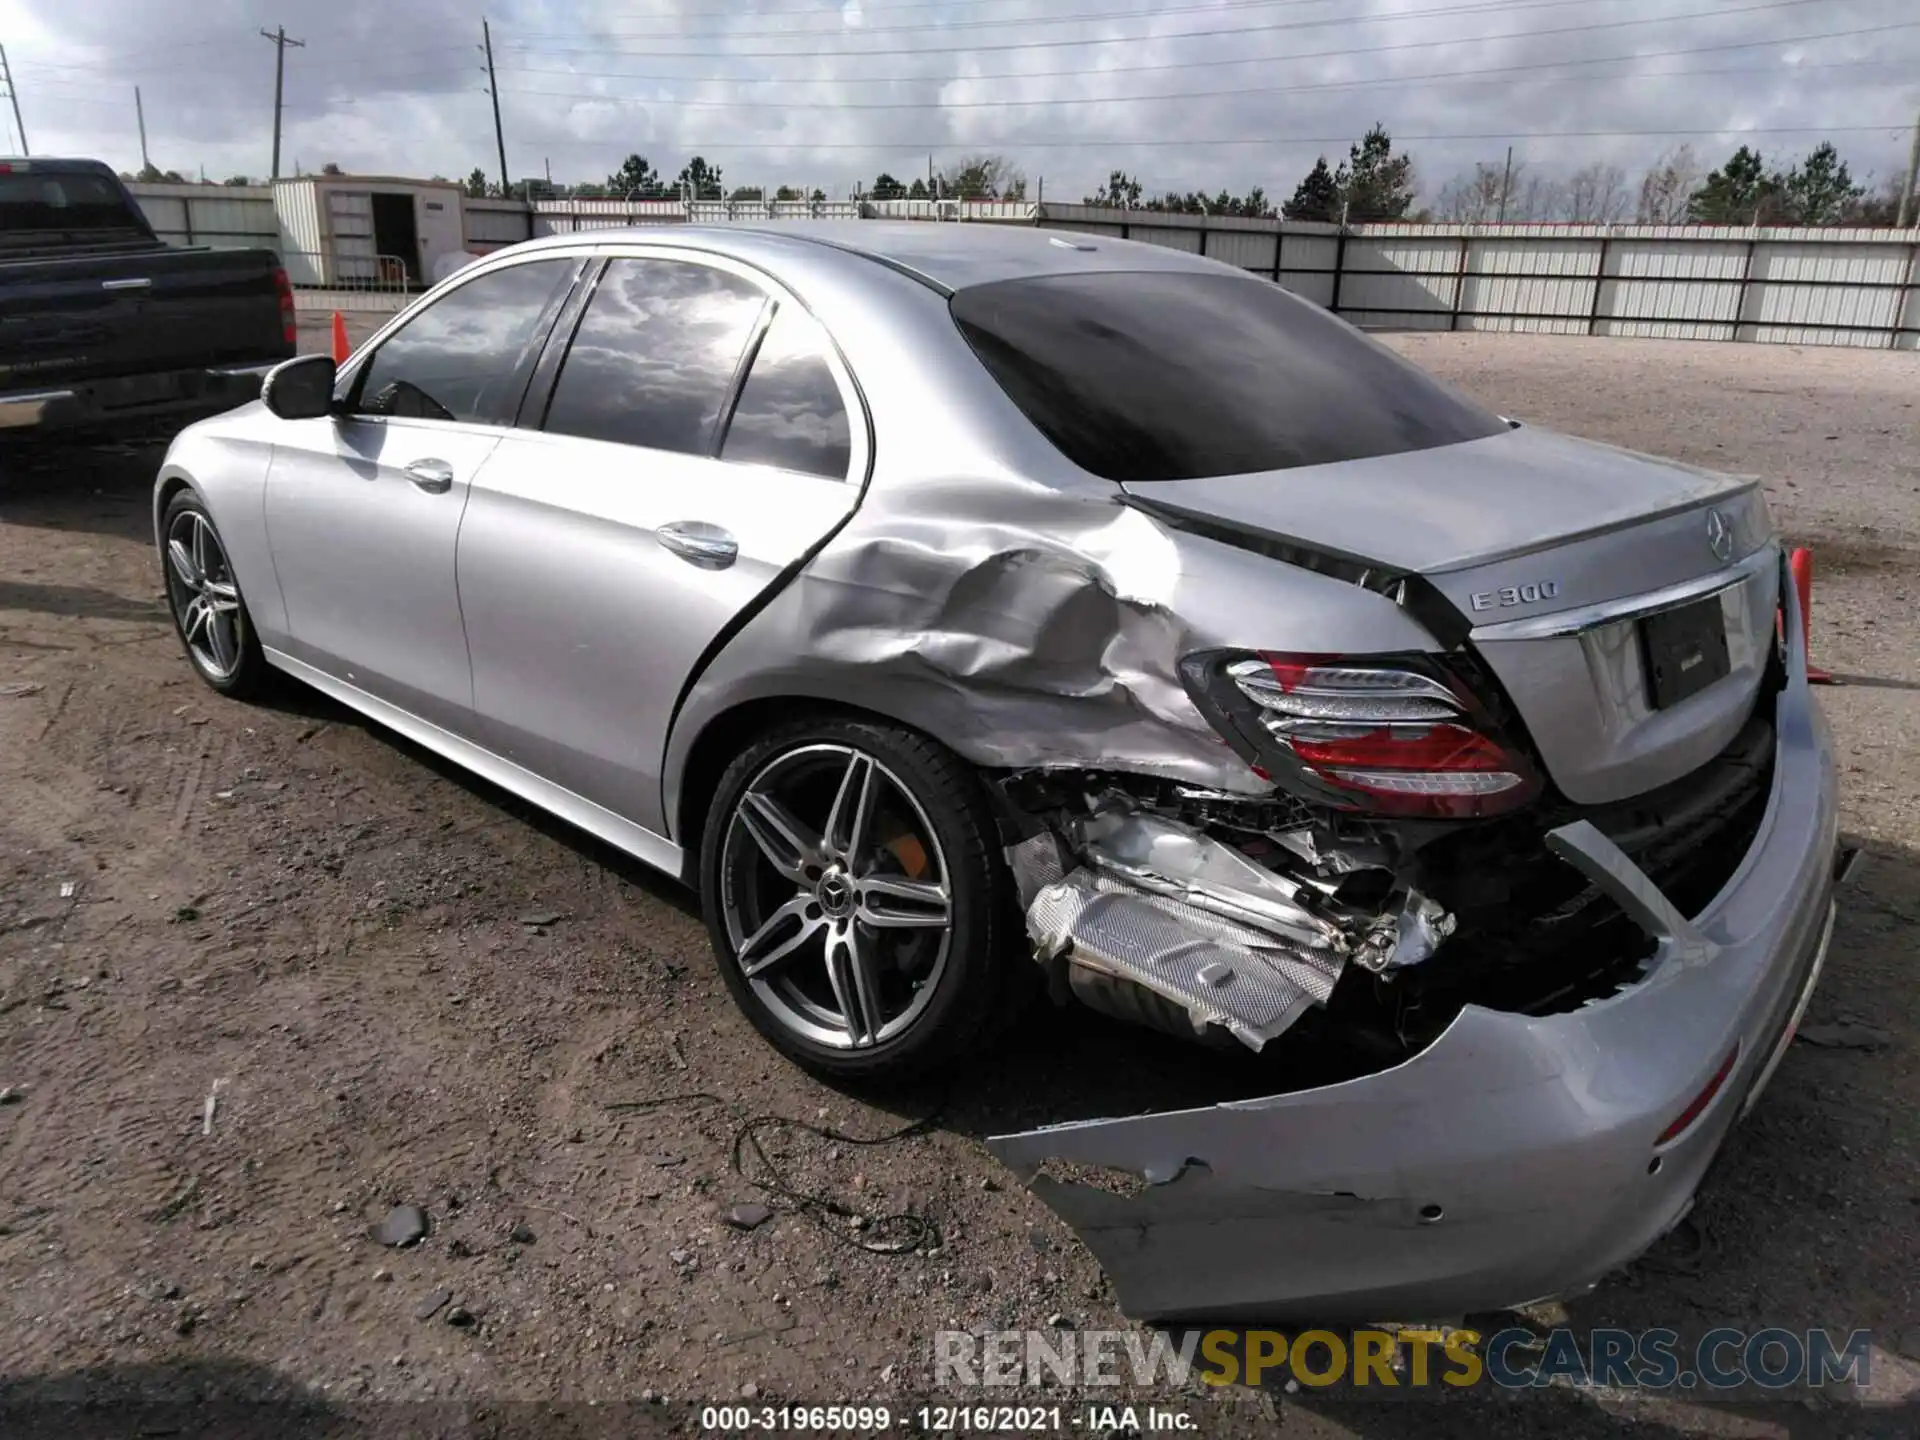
<point>852,398</point>
<point>352,377</point>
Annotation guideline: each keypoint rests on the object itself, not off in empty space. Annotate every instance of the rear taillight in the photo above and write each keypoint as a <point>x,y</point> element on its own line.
<point>1390,735</point>
<point>289,317</point>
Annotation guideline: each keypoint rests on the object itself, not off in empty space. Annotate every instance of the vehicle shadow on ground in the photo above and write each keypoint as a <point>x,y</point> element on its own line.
<point>211,1396</point>
<point>216,1398</point>
<point>100,489</point>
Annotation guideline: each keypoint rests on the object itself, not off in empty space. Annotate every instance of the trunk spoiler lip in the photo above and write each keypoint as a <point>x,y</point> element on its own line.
<point>1413,589</point>
<point>1203,522</point>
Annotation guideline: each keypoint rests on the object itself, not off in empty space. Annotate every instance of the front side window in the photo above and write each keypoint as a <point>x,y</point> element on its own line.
<point>466,356</point>
<point>790,413</point>
<point>1178,375</point>
<point>654,359</point>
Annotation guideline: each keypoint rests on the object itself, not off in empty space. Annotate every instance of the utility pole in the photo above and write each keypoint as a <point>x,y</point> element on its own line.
<point>1906,217</point>
<point>493,88</point>
<point>140,111</point>
<point>6,74</point>
<point>278,35</point>
<point>1506,184</point>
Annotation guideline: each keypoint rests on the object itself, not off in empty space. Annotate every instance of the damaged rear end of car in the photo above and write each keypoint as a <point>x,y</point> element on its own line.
<point>1542,892</point>
<point>1536,1023</point>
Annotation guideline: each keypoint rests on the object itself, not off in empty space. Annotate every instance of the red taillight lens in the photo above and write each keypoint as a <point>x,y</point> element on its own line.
<point>1389,735</point>
<point>1697,1106</point>
<point>289,317</point>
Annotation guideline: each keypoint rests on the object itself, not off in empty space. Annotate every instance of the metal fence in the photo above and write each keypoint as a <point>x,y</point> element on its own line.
<point>376,283</point>
<point>227,217</point>
<point>1782,286</point>
<point>1685,282</point>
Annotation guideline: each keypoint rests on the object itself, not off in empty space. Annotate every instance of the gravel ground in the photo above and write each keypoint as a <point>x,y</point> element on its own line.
<point>266,973</point>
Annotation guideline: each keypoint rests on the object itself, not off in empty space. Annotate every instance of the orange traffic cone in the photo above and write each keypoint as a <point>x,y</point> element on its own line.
<point>341,346</point>
<point>1800,563</point>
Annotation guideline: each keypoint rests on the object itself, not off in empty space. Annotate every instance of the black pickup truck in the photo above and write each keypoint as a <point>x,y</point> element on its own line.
<point>104,327</point>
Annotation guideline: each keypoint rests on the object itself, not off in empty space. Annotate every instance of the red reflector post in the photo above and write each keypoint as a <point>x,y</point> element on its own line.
<point>1697,1106</point>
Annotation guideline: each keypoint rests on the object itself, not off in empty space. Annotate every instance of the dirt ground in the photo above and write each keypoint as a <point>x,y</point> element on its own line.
<point>267,972</point>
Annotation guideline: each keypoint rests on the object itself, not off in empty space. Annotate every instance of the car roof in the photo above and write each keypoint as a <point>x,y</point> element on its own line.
<point>946,255</point>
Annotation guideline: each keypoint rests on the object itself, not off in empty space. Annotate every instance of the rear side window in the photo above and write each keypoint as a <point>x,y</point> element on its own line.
<point>1177,376</point>
<point>37,201</point>
<point>790,414</point>
<point>654,358</point>
<point>466,356</point>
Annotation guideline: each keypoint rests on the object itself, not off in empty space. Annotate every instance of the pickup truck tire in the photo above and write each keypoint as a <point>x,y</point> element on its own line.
<point>209,613</point>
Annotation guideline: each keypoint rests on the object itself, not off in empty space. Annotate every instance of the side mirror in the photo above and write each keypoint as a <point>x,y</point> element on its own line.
<point>300,388</point>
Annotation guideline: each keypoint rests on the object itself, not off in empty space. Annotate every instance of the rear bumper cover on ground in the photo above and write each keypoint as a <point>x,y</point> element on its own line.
<point>1514,1159</point>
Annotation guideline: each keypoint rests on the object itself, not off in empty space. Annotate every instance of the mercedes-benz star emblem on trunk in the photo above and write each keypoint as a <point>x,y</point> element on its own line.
<point>1719,536</point>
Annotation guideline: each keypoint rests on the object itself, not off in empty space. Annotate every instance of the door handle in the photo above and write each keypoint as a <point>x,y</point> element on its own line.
<point>699,543</point>
<point>433,476</point>
<point>142,283</point>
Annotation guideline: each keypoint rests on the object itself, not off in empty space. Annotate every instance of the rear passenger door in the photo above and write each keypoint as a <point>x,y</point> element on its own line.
<point>701,436</point>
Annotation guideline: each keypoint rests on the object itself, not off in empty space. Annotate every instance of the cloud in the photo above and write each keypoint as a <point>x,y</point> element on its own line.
<point>828,93</point>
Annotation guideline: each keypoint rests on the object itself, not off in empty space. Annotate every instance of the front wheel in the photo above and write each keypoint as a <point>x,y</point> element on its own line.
<point>203,594</point>
<point>856,900</point>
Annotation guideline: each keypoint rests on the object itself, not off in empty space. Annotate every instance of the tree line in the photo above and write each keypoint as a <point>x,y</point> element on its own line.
<point>1377,183</point>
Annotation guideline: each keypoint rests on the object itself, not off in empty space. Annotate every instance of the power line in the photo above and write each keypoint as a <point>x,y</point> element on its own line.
<point>1402,81</point>
<point>1264,29</point>
<point>1217,61</point>
<point>1080,72</point>
<point>1124,142</point>
<point>1082,17</point>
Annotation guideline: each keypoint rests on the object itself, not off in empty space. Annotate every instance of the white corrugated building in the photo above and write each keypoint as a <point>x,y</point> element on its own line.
<point>341,231</point>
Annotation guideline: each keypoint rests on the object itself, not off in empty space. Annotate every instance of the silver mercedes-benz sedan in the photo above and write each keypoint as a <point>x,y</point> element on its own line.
<point>971,613</point>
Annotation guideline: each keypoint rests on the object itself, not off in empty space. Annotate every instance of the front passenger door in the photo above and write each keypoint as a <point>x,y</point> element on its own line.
<point>363,508</point>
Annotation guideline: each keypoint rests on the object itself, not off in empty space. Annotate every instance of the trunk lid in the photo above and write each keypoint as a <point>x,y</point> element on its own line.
<point>1577,567</point>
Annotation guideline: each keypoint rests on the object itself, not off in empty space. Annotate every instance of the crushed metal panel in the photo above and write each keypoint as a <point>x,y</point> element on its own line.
<point>1326,1204</point>
<point>1029,626</point>
<point>1224,974</point>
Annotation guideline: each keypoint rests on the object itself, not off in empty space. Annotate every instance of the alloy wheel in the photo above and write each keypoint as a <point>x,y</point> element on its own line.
<point>206,602</point>
<point>836,896</point>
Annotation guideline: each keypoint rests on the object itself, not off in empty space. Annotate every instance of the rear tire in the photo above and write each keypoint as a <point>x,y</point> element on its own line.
<point>855,867</point>
<point>203,595</point>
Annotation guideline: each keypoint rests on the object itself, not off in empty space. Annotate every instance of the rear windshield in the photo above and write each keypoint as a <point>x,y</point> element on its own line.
<point>43,200</point>
<point>1176,376</point>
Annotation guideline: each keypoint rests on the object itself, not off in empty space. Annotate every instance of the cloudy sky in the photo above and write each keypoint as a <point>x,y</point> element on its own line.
<point>1188,94</point>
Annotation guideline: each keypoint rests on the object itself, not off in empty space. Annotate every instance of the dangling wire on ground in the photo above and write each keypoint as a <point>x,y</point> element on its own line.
<point>901,1232</point>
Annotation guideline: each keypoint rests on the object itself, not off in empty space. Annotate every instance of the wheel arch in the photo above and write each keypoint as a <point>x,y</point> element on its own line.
<point>173,479</point>
<point>723,736</point>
